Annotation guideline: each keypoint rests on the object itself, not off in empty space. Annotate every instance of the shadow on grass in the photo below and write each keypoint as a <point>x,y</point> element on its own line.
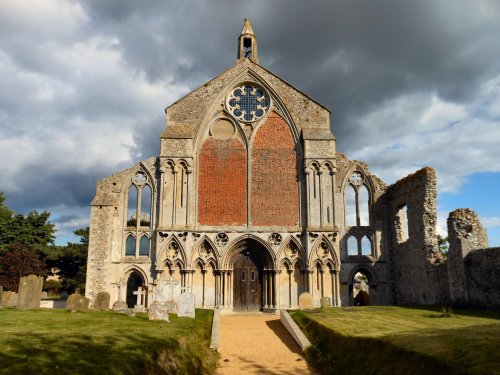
<point>463,350</point>
<point>103,343</point>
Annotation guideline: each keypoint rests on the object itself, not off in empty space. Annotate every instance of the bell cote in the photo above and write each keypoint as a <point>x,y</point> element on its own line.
<point>247,43</point>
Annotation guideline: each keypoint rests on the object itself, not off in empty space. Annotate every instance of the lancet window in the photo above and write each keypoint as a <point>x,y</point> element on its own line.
<point>138,219</point>
<point>357,201</point>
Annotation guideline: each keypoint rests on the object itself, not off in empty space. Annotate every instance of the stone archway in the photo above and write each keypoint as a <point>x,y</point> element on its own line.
<point>134,282</point>
<point>252,277</point>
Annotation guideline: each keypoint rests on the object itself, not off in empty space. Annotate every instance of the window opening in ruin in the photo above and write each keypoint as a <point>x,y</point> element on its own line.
<point>360,289</point>
<point>132,206</point>
<point>352,246</point>
<point>145,218</point>
<point>318,276</point>
<point>366,246</point>
<point>130,246</point>
<point>138,216</point>
<point>402,230</point>
<point>357,201</point>
<point>144,246</point>
<point>350,206</point>
<point>363,202</point>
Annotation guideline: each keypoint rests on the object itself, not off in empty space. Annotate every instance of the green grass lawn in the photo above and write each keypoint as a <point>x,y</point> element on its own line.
<point>397,340</point>
<point>59,342</point>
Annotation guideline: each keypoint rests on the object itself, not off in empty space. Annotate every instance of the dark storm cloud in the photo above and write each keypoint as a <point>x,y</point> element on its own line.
<point>84,84</point>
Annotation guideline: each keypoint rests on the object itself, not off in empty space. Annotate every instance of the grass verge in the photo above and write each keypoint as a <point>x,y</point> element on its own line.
<point>60,342</point>
<point>397,340</point>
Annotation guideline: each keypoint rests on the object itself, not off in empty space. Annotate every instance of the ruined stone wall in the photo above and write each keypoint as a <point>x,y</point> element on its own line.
<point>473,269</point>
<point>412,240</point>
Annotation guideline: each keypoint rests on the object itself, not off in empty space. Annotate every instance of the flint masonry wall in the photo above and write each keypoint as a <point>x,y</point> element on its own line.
<point>473,269</point>
<point>414,256</point>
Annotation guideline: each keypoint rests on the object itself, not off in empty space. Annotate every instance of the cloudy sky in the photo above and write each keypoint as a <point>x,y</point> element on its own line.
<point>83,87</point>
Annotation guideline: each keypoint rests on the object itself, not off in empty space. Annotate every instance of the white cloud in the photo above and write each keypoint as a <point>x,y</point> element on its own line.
<point>491,222</point>
<point>421,129</point>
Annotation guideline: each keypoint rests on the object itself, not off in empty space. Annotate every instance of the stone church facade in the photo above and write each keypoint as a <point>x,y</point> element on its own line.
<point>248,205</point>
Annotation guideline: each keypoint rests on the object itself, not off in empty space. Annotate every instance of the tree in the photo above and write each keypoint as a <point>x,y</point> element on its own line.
<point>6,217</point>
<point>70,262</point>
<point>20,261</point>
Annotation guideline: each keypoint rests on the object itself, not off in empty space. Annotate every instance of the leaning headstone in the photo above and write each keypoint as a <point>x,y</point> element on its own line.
<point>186,305</point>
<point>9,299</point>
<point>30,292</point>
<point>77,303</point>
<point>44,295</point>
<point>325,302</point>
<point>101,301</point>
<point>306,301</point>
<point>160,307</point>
<point>1,296</point>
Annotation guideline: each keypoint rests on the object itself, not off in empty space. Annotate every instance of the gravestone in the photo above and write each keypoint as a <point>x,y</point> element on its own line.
<point>77,303</point>
<point>9,299</point>
<point>174,291</point>
<point>141,297</point>
<point>1,297</point>
<point>186,305</point>
<point>325,302</point>
<point>30,292</point>
<point>306,301</point>
<point>44,295</point>
<point>159,309</point>
<point>64,294</point>
<point>101,301</point>
<point>120,306</point>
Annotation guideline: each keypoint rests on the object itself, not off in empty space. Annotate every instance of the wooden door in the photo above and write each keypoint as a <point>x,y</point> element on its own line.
<point>247,283</point>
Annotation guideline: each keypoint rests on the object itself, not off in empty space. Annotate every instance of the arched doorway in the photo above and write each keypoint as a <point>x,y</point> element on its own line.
<point>247,280</point>
<point>361,289</point>
<point>134,282</point>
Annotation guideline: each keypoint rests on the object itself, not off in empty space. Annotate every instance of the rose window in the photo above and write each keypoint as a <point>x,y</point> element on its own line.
<point>248,103</point>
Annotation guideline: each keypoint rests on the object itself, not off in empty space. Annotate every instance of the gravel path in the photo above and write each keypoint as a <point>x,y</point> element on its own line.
<point>258,344</point>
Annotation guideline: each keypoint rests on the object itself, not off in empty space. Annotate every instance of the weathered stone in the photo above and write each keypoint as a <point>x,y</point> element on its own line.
<point>325,302</point>
<point>1,297</point>
<point>77,303</point>
<point>158,311</point>
<point>9,299</point>
<point>186,305</point>
<point>120,307</point>
<point>306,301</point>
<point>102,300</point>
<point>44,295</point>
<point>30,292</point>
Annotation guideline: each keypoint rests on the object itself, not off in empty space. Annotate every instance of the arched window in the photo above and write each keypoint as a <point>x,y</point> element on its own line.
<point>132,206</point>
<point>145,206</point>
<point>363,202</point>
<point>357,201</point>
<point>139,214</point>
<point>366,246</point>
<point>352,246</point>
<point>130,246</point>
<point>144,246</point>
<point>350,206</point>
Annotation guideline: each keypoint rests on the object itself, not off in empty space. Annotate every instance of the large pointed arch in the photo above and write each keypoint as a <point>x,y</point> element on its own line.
<point>282,252</point>
<point>169,255</point>
<point>239,244</point>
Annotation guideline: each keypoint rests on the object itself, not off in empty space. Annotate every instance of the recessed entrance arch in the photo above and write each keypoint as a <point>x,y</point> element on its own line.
<point>134,282</point>
<point>252,276</point>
